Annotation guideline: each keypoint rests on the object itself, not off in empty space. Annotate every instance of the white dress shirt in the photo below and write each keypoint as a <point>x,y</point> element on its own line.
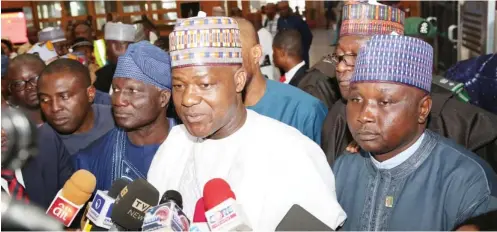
<point>289,75</point>
<point>18,174</point>
<point>400,158</point>
<point>272,25</point>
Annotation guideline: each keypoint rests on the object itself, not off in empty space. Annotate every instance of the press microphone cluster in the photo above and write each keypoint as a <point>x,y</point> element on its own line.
<point>72,197</point>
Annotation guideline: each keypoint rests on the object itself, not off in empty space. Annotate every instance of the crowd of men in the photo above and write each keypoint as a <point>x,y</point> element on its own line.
<point>374,147</point>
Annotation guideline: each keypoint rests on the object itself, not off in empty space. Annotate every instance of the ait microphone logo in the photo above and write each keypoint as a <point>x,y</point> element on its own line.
<point>63,211</point>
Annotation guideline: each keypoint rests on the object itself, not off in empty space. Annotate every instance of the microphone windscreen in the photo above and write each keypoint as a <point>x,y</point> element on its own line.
<point>79,188</point>
<point>199,214</point>
<point>117,186</point>
<point>132,203</point>
<point>216,191</point>
<point>174,196</point>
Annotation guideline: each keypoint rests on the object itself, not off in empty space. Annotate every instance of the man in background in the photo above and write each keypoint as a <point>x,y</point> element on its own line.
<point>32,33</point>
<point>271,22</point>
<point>287,47</point>
<point>266,41</point>
<point>82,30</point>
<point>288,21</point>
<point>118,36</point>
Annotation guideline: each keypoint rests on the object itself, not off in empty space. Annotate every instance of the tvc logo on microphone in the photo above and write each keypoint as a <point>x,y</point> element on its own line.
<point>63,211</point>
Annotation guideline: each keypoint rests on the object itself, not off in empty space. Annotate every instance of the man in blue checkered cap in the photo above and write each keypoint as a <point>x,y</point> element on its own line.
<point>141,92</point>
<point>405,176</point>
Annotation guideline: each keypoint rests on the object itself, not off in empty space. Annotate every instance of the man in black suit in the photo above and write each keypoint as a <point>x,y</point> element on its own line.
<point>290,21</point>
<point>39,180</point>
<point>287,47</point>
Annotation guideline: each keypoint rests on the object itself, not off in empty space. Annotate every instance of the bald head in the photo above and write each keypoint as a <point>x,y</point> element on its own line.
<point>251,50</point>
<point>23,60</point>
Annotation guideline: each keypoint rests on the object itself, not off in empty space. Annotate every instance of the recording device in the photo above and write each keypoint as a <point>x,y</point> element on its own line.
<point>21,138</point>
<point>199,223</point>
<point>101,207</point>
<point>18,216</point>
<point>222,211</point>
<point>299,219</point>
<point>131,204</point>
<point>168,215</point>
<point>72,197</point>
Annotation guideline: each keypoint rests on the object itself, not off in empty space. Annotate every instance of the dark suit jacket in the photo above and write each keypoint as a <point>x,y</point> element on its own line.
<point>297,78</point>
<point>45,174</point>
<point>104,77</point>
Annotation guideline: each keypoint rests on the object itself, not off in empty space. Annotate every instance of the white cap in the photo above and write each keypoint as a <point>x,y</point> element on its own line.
<point>54,34</point>
<point>120,32</point>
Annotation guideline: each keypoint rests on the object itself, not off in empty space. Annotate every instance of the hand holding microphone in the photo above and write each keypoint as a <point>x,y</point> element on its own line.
<point>72,197</point>
<point>222,211</point>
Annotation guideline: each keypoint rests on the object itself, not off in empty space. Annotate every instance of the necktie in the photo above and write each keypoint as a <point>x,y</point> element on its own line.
<point>282,79</point>
<point>16,190</point>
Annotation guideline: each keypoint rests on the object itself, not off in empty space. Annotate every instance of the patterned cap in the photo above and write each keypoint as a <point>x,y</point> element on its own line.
<point>395,58</point>
<point>120,32</point>
<point>145,62</point>
<point>54,34</point>
<point>203,41</point>
<point>367,19</point>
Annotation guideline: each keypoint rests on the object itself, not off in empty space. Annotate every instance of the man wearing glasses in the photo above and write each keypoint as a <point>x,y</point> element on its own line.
<point>22,77</point>
<point>360,22</point>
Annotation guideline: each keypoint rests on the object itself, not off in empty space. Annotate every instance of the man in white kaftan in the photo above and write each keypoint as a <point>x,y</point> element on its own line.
<point>269,165</point>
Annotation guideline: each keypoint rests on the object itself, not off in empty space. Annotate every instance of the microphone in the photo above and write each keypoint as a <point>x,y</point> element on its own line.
<point>199,223</point>
<point>19,216</point>
<point>131,204</point>
<point>222,211</point>
<point>72,197</point>
<point>101,207</point>
<point>299,219</point>
<point>21,138</point>
<point>168,215</point>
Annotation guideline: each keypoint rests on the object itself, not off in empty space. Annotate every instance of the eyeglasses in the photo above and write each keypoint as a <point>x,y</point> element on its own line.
<point>348,59</point>
<point>20,85</point>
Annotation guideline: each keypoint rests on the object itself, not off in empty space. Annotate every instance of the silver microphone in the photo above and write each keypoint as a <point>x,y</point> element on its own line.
<point>21,138</point>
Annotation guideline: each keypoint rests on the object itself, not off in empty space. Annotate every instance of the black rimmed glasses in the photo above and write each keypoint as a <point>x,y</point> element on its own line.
<point>348,59</point>
<point>20,85</point>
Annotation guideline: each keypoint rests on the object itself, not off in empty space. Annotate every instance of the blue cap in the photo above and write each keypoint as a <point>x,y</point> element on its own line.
<point>5,64</point>
<point>395,58</point>
<point>145,62</point>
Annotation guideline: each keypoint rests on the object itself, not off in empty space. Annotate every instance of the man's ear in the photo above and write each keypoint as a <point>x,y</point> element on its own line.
<point>240,79</point>
<point>165,96</point>
<point>90,91</point>
<point>256,53</point>
<point>424,109</point>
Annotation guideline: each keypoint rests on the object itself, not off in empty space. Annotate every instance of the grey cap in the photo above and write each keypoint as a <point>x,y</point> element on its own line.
<point>120,32</point>
<point>54,34</point>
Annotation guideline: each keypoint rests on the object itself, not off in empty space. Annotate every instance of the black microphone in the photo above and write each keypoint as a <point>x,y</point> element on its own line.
<point>21,138</point>
<point>19,216</point>
<point>299,219</point>
<point>132,203</point>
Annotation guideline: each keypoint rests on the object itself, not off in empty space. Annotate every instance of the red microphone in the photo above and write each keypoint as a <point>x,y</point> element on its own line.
<point>222,211</point>
<point>199,223</point>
